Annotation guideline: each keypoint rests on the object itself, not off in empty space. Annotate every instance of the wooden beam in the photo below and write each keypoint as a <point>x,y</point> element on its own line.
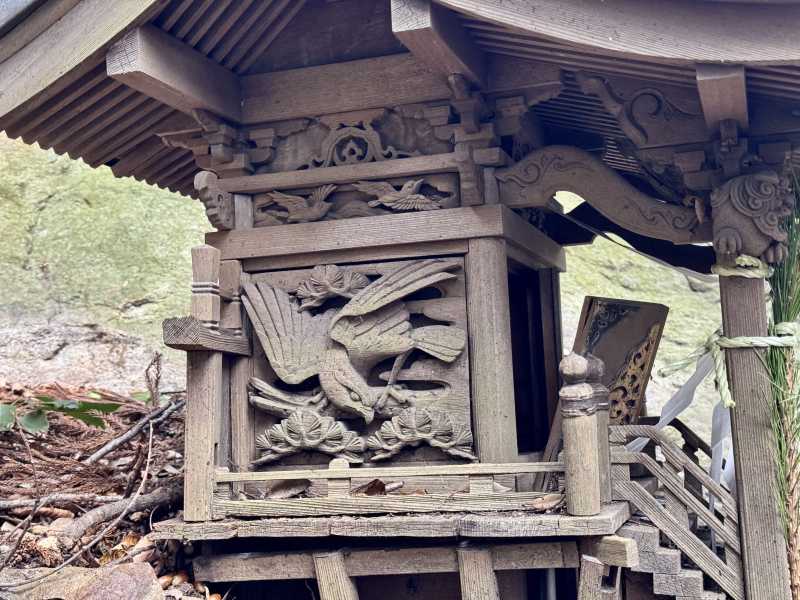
<point>380,82</point>
<point>162,67</point>
<point>436,37</point>
<point>382,561</point>
<point>67,50</point>
<point>332,579</point>
<point>723,94</point>
<point>476,572</point>
<point>188,334</point>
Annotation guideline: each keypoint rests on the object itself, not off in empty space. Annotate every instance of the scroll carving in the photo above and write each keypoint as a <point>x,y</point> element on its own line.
<point>219,204</point>
<point>350,144</point>
<point>534,180</point>
<point>625,392</point>
<point>749,212</point>
<point>351,337</point>
<point>647,115</point>
<point>413,427</point>
<point>306,430</point>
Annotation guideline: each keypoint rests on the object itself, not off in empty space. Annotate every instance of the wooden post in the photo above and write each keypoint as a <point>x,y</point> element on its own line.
<point>203,390</point>
<point>332,578</point>
<point>476,572</point>
<point>594,377</point>
<point>591,578</point>
<point>579,426</point>
<point>763,545</point>
<point>493,407</point>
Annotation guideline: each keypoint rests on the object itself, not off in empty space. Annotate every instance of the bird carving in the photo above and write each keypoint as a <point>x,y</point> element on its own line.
<point>305,210</point>
<point>406,198</point>
<point>343,345</point>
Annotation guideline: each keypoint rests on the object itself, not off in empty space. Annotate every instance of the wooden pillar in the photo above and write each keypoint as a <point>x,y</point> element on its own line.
<point>203,390</point>
<point>590,584</point>
<point>476,572</point>
<point>594,377</point>
<point>763,544</point>
<point>492,377</point>
<point>579,427</point>
<point>332,578</point>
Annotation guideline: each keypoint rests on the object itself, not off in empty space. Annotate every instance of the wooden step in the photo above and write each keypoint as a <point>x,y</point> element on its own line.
<point>648,538</point>
<point>666,561</point>
<point>688,582</point>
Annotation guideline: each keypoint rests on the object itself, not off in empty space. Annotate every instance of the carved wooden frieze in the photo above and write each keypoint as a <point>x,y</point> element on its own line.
<point>346,348</point>
<point>649,116</point>
<point>534,180</point>
<point>749,212</point>
<point>357,199</point>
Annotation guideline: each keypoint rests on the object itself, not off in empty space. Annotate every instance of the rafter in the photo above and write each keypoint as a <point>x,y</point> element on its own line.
<point>435,36</point>
<point>162,67</point>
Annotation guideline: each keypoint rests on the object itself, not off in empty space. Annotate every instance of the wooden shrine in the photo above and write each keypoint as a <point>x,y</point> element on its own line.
<point>377,394</point>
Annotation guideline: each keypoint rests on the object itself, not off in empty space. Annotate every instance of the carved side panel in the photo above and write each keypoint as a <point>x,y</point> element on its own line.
<point>378,368</point>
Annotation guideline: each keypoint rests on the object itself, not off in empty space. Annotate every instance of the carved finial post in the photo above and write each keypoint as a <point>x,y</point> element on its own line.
<point>579,427</point>
<point>594,377</point>
<point>748,211</point>
<point>205,305</point>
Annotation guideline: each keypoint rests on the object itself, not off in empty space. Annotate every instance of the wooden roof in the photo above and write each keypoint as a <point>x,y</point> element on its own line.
<point>57,91</point>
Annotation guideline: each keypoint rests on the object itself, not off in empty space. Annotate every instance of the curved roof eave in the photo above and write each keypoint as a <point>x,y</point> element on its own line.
<point>677,32</point>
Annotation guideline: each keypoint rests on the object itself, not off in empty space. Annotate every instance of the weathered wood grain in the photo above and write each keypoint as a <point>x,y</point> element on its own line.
<point>723,94</point>
<point>189,334</point>
<point>332,578</point>
<point>435,36</point>
<point>476,572</point>
<point>162,67</point>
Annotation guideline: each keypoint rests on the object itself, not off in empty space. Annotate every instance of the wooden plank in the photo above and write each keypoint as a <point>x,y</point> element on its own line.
<point>394,472</point>
<point>723,94</point>
<point>500,525</point>
<point>492,378</point>
<point>364,232</point>
<point>162,67</point>
<point>384,561</point>
<point>67,50</point>
<point>674,32</point>
<point>744,314</point>
<point>356,255</point>
<point>33,25</point>
<point>388,169</point>
<point>613,550</point>
<point>332,578</point>
<point>591,578</point>
<point>365,505</point>
<point>356,85</point>
<point>188,334</point>
<point>684,539</point>
<point>435,36</point>
<point>476,572</point>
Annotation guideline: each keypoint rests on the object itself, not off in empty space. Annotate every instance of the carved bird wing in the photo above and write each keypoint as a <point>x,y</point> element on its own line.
<point>401,282</point>
<point>293,341</point>
<point>378,335</point>
<point>375,188</point>
<point>412,186</point>
<point>321,193</point>
<point>288,201</point>
<point>415,202</point>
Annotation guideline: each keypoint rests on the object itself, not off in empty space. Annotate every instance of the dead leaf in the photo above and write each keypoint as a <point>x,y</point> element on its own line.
<point>290,488</point>
<point>375,487</point>
<point>546,502</point>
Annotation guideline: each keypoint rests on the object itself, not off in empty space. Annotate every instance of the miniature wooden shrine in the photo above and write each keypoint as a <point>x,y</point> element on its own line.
<point>373,346</point>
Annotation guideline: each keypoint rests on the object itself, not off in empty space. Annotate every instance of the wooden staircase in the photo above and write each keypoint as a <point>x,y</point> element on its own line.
<point>678,510</point>
<point>670,578</point>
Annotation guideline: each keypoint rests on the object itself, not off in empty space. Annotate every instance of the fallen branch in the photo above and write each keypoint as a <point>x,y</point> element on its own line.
<point>157,416</point>
<point>77,554</point>
<point>77,528</point>
<point>57,499</point>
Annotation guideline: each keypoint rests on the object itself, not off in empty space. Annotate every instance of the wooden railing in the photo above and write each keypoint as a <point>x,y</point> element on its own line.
<point>687,491</point>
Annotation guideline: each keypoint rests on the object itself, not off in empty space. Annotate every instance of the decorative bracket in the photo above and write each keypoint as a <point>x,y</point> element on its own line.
<point>748,214</point>
<point>218,203</point>
<point>534,180</point>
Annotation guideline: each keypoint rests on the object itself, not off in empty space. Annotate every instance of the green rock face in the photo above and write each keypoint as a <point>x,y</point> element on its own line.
<point>86,255</point>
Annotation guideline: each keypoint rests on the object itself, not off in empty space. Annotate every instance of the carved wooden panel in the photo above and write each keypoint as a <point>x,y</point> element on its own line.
<point>357,199</point>
<point>366,362</point>
<point>625,336</point>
